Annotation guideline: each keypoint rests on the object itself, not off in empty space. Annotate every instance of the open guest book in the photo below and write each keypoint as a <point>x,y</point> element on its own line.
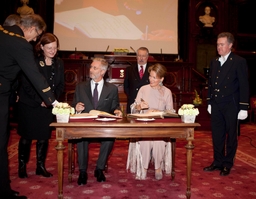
<point>93,114</point>
<point>155,114</point>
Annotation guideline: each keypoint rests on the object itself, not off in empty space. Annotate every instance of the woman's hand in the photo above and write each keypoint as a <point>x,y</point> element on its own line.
<point>118,113</point>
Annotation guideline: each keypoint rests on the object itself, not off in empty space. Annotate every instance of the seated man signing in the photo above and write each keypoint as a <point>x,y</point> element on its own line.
<point>103,98</point>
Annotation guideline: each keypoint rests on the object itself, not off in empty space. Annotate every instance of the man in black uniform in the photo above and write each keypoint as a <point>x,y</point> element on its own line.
<point>228,101</point>
<point>132,79</point>
<point>16,55</point>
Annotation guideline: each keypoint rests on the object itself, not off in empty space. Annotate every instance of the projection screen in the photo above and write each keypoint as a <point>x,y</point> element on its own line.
<point>103,25</point>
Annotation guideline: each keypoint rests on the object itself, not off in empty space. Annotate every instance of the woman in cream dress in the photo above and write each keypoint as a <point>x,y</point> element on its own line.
<point>152,97</point>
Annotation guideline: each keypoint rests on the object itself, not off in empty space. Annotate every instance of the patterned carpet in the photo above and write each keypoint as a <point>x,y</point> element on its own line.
<point>121,184</point>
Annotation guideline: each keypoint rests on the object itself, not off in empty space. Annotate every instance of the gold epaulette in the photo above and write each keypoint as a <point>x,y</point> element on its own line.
<point>10,33</point>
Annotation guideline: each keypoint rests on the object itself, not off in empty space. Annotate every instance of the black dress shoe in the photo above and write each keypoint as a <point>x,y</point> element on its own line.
<point>10,196</point>
<point>15,193</point>
<point>99,175</point>
<point>82,179</point>
<point>212,167</point>
<point>225,171</point>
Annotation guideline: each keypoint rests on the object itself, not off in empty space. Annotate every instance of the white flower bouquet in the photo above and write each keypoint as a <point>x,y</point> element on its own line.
<point>63,108</point>
<point>62,112</point>
<point>188,113</point>
<point>188,109</point>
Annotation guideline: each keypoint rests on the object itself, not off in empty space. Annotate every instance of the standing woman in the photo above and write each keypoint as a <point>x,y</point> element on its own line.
<point>34,115</point>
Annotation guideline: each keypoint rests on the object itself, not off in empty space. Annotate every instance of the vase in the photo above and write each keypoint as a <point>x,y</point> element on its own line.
<point>188,118</point>
<point>62,118</point>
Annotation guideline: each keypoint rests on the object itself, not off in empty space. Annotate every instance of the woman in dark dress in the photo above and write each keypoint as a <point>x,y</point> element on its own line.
<point>34,115</point>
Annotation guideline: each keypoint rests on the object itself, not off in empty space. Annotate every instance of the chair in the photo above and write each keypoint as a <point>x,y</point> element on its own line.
<point>134,157</point>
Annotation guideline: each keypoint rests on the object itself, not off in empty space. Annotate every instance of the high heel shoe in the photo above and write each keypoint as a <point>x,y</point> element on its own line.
<point>158,174</point>
<point>144,174</point>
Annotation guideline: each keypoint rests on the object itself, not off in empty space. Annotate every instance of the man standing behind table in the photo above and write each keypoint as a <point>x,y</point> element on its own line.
<point>16,55</point>
<point>228,101</point>
<point>98,95</point>
<point>136,76</point>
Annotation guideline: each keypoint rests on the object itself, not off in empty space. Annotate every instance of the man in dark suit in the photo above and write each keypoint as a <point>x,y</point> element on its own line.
<point>228,101</point>
<point>85,100</point>
<point>16,55</point>
<point>132,79</point>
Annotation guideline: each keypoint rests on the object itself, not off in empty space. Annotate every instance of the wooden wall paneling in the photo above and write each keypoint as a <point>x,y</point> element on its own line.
<point>178,78</point>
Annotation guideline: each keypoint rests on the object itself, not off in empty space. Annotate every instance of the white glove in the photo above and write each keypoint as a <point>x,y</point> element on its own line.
<point>242,115</point>
<point>55,103</point>
<point>209,109</point>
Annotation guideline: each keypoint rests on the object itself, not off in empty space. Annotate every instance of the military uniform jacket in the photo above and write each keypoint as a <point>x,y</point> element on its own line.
<point>27,93</point>
<point>229,81</point>
<point>17,54</point>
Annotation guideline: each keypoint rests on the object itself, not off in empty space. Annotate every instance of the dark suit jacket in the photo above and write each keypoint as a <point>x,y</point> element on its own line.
<point>132,83</point>
<point>17,54</point>
<point>108,101</point>
<point>230,81</point>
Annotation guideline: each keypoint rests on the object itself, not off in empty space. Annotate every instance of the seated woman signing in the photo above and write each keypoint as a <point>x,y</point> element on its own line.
<point>152,97</point>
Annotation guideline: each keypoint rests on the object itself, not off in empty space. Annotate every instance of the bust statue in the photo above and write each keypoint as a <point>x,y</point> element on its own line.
<point>206,19</point>
<point>25,9</point>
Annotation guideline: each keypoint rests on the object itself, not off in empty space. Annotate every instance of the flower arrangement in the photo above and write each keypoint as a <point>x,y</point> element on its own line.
<point>63,108</point>
<point>188,109</point>
<point>121,51</point>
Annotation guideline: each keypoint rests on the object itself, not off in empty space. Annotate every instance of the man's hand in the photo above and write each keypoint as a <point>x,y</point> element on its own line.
<point>242,115</point>
<point>79,107</point>
<point>209,109</point>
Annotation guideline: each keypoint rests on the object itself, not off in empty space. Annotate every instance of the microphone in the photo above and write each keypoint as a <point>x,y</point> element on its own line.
<point>107,48</point>
<point>162,55</point>
<point>132,49</point>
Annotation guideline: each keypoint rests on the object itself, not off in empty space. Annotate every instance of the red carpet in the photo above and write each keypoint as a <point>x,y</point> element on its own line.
<point>121,184</point>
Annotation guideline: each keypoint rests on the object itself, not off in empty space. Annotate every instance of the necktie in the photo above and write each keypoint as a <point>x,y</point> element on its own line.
<point>95,95</point>
<point>141,72</point>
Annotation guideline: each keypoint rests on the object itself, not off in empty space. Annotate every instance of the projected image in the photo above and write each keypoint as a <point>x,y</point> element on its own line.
<point>132,21</point>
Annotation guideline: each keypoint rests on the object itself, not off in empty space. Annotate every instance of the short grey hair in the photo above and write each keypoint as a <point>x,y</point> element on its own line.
<point>230,37</point>
<point>103,63</point>
<point>33,20</point>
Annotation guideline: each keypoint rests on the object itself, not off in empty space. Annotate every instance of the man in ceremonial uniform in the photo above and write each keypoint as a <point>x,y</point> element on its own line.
<point>228,101</point>
<point>16,55</point>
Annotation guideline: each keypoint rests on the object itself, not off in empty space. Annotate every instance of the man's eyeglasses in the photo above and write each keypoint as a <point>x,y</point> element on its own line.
<point>38,35</point>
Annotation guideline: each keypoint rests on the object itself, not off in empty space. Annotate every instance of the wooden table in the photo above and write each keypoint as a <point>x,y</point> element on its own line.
<point>124,128</point>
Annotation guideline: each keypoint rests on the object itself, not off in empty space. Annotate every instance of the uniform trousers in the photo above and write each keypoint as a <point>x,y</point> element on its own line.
<point>5,188</point>
<point>224,125</point>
